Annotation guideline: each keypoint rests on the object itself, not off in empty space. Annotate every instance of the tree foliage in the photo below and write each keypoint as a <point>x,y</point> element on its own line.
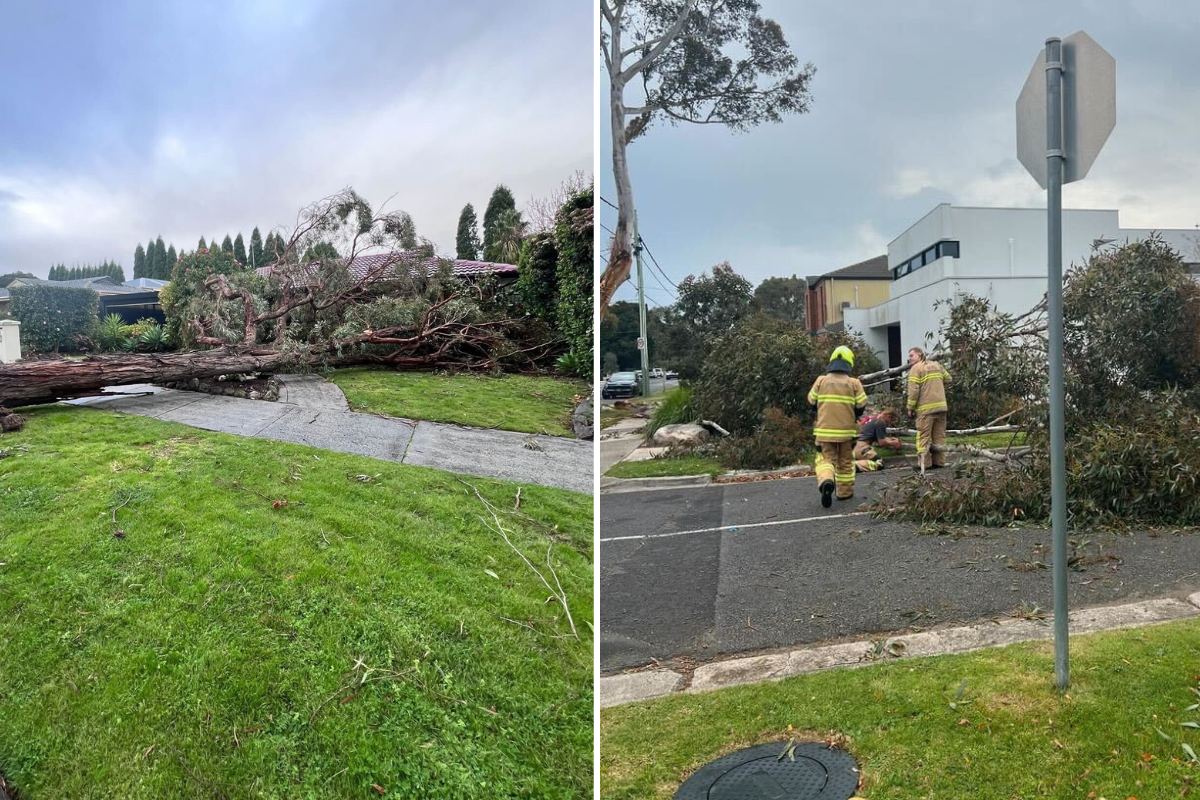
<point>782,298</point>
<point>256,249</point>
<point>239,250</point>
<point>500,202</point>
<point>537,275</point>
<point>573,233</point>
<point>1132,377</point>
<point>139,263</point>
<point>466,242</point>
<point>761,362</point>
<point>698,61</point>
<point>9,277</point>
<point>707,308</point>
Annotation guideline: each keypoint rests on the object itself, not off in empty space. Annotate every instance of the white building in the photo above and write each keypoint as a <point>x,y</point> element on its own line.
<point>995,253</point>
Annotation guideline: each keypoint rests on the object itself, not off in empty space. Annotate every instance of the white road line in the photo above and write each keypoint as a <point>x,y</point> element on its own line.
<point>736,527</point>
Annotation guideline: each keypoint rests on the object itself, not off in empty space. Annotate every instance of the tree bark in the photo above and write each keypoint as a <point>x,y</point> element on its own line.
<point>30,382</point>
<point>620,256</point>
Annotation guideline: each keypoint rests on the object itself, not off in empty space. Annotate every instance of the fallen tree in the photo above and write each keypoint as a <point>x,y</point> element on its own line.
<point>383,302</point>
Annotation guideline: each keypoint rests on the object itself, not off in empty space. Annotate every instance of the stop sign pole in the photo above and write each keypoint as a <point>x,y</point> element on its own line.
<point>1058,145</point>
<point>1058,447</point>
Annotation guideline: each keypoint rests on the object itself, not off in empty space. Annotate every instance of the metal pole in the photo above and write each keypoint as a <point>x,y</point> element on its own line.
<point>637,250</point>
<point>1058,455</point>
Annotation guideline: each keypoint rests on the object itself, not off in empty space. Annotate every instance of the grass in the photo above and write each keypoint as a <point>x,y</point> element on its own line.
<point>610,416</point>
<point>509,402</point>
<point>277,621</point>
<point>667,467</point>
<point>988,725</point>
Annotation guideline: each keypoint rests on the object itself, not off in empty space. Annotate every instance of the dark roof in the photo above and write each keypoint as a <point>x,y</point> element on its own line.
<point>364,265</point>
<point>103,285</point>
<point>872,269</point>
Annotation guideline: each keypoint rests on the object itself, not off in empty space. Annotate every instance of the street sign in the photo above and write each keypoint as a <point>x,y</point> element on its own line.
<point>1089,108</point>
<point>1064,115</point>
<point>641,343</point>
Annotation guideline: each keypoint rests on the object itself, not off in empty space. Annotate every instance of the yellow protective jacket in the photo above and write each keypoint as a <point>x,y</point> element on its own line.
<point>927,387</point>
<point>837,397</point>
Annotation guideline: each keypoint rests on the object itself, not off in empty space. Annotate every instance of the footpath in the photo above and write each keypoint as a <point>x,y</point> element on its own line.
<point>312,411</point>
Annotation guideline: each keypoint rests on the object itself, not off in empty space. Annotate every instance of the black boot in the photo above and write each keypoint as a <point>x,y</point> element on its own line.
<point>827,494</point>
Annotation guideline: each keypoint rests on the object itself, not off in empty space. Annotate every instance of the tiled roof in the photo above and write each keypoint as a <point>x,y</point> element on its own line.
<point>872,268</point>
<point>3,294</point>
<point>364,265</point>
<point>146,283</point>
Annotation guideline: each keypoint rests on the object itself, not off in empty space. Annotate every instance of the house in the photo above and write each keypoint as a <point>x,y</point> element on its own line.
<point>998,254</point>
<point>860,285</point>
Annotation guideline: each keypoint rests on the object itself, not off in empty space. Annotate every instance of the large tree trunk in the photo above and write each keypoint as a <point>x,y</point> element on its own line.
<point>620,256</point>
<point>32,382</point>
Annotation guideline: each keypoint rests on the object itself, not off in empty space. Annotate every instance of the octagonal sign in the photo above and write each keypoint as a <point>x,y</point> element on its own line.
<point>1089,92</point>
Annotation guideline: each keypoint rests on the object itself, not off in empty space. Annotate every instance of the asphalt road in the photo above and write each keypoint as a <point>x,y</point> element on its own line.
<point>782,571</point>
<point>657,385</point>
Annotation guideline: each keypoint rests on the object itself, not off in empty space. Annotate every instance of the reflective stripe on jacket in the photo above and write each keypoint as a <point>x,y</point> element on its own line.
<point>837,397</point>
<point>926,387</point>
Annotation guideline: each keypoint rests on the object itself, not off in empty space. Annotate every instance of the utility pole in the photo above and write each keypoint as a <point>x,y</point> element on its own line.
<point>643,344</point>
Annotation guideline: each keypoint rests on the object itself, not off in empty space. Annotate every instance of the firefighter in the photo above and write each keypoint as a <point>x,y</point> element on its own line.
<point>872,434</point>
<point>840,401</point>
<point>927,401</point>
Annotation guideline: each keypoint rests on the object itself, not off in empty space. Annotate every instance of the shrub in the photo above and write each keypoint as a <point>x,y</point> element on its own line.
<point>780,441</point>
<point>573,240</point>
<point>111,333</point>
<point>675,409</point>
<point>571,364</point>
<point>52,316</point>
<point>763,363</point>
<point>154,339</point>
<point>537,275</point>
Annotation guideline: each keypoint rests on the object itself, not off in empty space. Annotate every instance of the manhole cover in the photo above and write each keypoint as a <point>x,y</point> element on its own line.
<point>758,773</point>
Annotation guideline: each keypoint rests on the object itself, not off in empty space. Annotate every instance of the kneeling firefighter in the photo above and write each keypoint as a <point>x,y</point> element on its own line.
<point>840,401</point>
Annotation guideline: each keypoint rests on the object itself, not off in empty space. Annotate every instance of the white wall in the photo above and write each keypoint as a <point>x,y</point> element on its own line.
<point>1002,258</point>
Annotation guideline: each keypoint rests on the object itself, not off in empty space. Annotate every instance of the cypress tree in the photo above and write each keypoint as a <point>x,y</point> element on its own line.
<point>227,244</point>
<point>239,249</point>
<point>172,257</point>
<point>139,263</point>
<point>256,248</point>
<point>160,260</point>
<point>501,201</point>
<point>202,245</point>
<point>467,242</point>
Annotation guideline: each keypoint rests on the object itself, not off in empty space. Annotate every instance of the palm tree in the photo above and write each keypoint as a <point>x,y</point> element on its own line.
<point>508,234</point>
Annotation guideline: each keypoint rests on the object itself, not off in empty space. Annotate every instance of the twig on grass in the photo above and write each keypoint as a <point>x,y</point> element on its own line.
<point>128,498</point>
<point>559,594</point>
<point>517,507</point>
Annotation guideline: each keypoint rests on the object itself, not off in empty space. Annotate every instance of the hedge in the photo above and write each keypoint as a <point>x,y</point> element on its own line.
<point>52,316</point>
<point>573,239</point>
<point>537,276</point>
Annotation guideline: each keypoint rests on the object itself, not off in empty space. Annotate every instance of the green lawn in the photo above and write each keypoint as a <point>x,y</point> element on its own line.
<point>509,402</point>
<point>985,726</point>
<point>266,620</point>
<point>610,416</point>
<point>667,467</point>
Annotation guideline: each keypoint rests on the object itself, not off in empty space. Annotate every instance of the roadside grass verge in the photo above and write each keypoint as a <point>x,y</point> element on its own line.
<point>191,614</point>
<point>509,402</point>
<point>987,725</point>
<point>667,467</point>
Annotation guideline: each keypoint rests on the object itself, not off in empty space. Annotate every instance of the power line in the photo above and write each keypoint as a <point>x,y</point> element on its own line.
<point>609,202</point>
<point>655,260</point>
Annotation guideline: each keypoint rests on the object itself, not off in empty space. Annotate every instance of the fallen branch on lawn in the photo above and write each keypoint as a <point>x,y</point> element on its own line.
<point>961,431</point>
<point>559,594</point>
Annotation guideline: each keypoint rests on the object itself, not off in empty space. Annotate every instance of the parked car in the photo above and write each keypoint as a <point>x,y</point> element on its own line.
<point>657,373</point>
<point>621,384</point>
<point>672,375</point>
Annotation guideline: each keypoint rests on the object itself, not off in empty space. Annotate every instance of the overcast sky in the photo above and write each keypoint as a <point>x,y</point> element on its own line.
<point>913,105</point>
<point>122,121</point>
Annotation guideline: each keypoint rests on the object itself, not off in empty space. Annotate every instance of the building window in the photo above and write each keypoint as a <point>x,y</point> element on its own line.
<point>940,250</point>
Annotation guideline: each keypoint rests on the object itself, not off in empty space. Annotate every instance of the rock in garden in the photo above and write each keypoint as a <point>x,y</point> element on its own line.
<point>255,395</point>
<point>582,420</point>
<point>674,435</point>
<point>11,422</point>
